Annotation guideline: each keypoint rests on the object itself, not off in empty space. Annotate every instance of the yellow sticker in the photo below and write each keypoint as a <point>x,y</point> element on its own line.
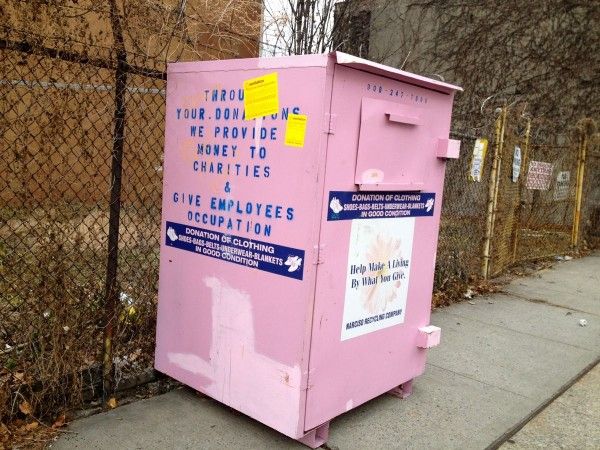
<point>295,130</point>
<point>261,96</point>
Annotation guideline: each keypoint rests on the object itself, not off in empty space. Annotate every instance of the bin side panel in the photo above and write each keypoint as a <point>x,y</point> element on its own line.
<point>238,243</point>
<point>377,260</point>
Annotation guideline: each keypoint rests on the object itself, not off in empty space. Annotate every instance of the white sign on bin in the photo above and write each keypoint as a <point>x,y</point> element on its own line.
<point>378,275</point>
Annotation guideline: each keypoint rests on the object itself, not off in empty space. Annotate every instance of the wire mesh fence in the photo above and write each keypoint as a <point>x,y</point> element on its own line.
<point>512,142</point>
<point>82,89</point>
<point>82,144</point>
<point>547,215</point>
<point>463,215</point>
<point>58,139</point>
<point>517,203</point>
<point>536,195</point>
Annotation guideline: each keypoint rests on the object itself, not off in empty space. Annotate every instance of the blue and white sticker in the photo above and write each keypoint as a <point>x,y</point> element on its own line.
<point>265,256</point>
<point>379,205</point>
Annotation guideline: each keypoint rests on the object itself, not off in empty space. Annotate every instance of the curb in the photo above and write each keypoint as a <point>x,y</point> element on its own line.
<point>517,427</point>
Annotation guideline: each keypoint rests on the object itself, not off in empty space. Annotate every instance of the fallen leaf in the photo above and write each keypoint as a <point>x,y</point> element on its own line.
<point>25,408</point>
<point>31,426</point>
<point>112,403</point>
<point>19,375</point>
<point>60,421</point>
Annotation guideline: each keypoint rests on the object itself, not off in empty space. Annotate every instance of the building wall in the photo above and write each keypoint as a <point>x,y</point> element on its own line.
<point>166,30</point>
<point>499,52</point>
<point>57,116</point>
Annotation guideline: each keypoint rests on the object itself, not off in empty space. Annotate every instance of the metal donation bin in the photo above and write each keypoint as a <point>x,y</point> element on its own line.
<point>301,209</point>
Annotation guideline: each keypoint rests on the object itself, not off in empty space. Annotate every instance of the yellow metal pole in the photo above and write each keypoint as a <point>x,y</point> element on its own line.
<point>493,193</point>
<point>521,182</point>
<point>579,190</point>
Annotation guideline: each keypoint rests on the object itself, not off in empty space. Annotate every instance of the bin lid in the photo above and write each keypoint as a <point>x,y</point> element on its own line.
<point>355,62</point>
<point>317,60</point>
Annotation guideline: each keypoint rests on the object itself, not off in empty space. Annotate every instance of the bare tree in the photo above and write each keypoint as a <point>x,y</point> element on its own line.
<point>319,26</point>
<point>192,29</point>
<point>541,54</point>
<point>152,29</point>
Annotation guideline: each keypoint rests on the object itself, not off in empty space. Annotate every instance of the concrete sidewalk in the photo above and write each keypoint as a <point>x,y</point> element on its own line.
<point>571,421</point>
<point>502,358</point>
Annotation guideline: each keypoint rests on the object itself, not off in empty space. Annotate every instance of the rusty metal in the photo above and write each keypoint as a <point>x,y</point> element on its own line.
<point>579,189</point>
<point>493,192</point>
<point>522,177</point>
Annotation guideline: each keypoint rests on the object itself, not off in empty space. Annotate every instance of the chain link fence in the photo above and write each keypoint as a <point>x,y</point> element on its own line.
<point>463,215</point>
<point>519,203</point>
<point>82,89</point>
<point>67,173</point>
<point>82,143</point>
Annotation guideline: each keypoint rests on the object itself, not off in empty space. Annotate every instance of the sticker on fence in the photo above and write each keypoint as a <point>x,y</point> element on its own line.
<point>479,151</point>
<point>561,188</point>
<point>261,96</point>
<point>516,166</point>
<point>539,175</point>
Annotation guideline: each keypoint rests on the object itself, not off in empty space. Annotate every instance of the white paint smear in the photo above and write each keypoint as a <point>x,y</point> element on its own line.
<point>251,382</point>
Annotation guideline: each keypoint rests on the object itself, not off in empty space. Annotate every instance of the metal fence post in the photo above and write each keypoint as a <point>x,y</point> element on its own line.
<point>522,177</point>
<point>493,193</point>
<point>579,189</point>
<point>111,288</point>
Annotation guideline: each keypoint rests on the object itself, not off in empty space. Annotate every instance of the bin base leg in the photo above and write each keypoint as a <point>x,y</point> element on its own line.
<point>402,391</point>
<point>316,437</point>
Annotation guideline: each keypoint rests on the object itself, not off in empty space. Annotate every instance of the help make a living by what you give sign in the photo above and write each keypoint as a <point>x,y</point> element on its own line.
<point>379,256</point>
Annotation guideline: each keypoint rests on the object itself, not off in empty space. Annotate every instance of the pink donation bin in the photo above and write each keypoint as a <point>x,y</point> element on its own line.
<point>301,209</point>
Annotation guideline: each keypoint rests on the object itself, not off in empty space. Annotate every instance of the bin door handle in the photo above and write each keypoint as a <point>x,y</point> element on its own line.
<point>403,118</point>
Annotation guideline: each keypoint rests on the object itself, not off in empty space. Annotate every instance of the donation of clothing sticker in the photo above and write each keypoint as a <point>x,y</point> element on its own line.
<point>259,255</point>
<point>377,275</point>
<point>379,205</point>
